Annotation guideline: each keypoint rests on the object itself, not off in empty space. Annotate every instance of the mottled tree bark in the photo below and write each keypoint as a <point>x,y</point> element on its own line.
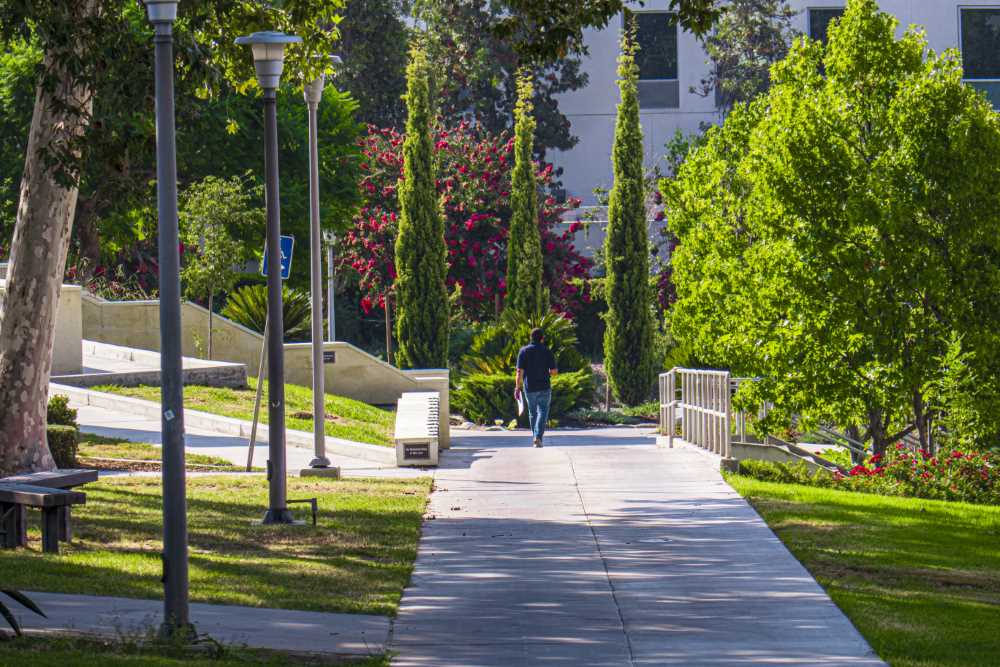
<point>37,264</point>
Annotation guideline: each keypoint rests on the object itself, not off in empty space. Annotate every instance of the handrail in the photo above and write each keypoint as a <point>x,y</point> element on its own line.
<point>704,406</point>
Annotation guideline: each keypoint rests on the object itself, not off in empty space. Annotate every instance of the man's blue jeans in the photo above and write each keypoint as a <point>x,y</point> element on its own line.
<point>538,410</point>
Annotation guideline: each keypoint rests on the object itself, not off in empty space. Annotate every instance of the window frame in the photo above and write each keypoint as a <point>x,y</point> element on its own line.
<point>677,41</point>
<point>809,13</point>
<point>961,41</point>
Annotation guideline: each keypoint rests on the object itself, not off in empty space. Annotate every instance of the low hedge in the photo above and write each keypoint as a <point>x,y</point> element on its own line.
<point>63,442</point>
<point>484,398</point>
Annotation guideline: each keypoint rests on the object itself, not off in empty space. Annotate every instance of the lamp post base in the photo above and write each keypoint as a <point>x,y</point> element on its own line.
<point>279,516</point>
<point>172,632</point>
<point>320,462</point>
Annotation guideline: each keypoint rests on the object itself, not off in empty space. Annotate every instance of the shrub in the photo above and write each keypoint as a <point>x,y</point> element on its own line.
<point>248,306</point>
<point>950,475</point>
<point>63,441</point>
<point>484,397</point>
<point>59,412</point>
<point>494,350</point>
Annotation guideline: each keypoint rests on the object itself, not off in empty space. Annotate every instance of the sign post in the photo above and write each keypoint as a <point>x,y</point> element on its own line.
<point>287,246</point>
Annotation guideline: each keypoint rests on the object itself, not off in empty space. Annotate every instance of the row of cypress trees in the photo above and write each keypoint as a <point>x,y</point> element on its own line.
<point>421,253</point>
<point>422,316</point>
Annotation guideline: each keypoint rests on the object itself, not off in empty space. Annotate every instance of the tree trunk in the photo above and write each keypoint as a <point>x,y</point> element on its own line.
<point>89,239</point>
<point>854,433</point>
<point>921,418</point>
<point>37,264</point>
<point>878,430</point>
<point>388,330</point>
<point>210,326</point>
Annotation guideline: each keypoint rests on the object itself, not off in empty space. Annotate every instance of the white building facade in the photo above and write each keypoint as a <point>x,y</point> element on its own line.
<point>673,62</point>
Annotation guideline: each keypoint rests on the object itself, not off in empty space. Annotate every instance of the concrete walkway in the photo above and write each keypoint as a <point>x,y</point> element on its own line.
<point>601,549</point>
<point>277,629</point>
<point>113,423</point>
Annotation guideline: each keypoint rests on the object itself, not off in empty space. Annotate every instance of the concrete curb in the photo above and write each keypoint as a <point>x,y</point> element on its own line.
<point>223,425</point>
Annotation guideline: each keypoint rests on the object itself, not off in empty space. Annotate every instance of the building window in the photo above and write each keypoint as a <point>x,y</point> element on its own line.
<point>819,21</point>
<point>656,33</point>
<point>980,54</point>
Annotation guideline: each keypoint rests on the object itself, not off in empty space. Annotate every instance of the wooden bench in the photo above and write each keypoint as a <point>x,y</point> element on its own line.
<point>15,497</point>
<point>66,478</point>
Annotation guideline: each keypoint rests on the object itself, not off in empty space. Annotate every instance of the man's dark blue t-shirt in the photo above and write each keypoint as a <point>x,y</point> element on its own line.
<point>536,360</point>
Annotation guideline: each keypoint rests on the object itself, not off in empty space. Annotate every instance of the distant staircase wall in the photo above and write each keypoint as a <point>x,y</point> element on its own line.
<point>350,371</point>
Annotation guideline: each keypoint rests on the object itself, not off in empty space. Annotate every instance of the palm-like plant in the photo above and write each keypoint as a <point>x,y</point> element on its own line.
<point>495,350</point>
<point>5,611</point>
<point>248,306</point>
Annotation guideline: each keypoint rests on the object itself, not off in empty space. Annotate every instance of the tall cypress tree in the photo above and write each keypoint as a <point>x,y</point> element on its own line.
<point>628,338</point>
<point>421,252</point>
<point>526,294</point>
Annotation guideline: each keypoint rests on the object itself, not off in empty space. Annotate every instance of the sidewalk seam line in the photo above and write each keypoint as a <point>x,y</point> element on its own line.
<point>604,562</point>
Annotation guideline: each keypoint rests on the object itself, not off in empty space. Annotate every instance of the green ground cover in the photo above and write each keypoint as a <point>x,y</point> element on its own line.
<point>100,452</point>
<point>345,418</point>
<point>63,652</point>
<point>357,560</point>
<point>919,578</point>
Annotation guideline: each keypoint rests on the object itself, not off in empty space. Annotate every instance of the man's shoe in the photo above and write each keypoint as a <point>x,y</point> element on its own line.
<point>538,442</point>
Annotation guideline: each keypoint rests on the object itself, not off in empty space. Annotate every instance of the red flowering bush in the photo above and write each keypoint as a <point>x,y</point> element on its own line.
<point>948,475</point>
<point>970,477</point>
<point>474,184</point>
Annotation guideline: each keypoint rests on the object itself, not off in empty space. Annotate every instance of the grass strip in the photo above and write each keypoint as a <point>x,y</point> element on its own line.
<point>920,579</point>
<point>106,453</point>
<point>63,651</point>
<point>345,417</point>
<point>357,560</point>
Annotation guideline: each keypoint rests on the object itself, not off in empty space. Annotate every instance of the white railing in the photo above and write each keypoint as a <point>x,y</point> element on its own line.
<point>700,400</point>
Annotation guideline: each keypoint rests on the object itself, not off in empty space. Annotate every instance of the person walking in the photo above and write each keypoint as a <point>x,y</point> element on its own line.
<point>536,366</point>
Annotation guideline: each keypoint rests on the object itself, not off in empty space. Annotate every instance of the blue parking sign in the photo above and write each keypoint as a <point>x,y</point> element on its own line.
<point>287,244</point>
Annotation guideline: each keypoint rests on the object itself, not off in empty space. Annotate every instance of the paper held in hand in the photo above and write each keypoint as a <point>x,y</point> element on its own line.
<point>520,404</point>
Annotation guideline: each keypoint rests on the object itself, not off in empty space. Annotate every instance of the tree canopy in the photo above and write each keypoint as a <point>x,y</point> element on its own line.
<point>836,234</point>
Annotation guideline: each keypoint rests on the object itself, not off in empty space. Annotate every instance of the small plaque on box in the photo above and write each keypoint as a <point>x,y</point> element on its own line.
<point>329,357</point>
<point>417,452</point>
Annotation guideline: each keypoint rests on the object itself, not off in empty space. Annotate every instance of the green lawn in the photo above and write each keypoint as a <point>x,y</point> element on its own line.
<point>96,451</point>
<point>919,578</point>
<point>345,418</point>
<point>358,559</point>
<point>65,652</point>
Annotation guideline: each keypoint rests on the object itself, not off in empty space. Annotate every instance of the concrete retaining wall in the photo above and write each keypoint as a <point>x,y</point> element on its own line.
<point>352,372</point>
<point>132,368</point>
<point>67,350</point>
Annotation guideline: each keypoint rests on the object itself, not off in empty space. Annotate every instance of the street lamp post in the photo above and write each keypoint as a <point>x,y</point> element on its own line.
<point>176,619</point>
<point>269,60</point>
<point>314,95</point>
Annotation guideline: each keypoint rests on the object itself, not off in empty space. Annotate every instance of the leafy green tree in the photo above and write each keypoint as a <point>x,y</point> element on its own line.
<point>542,30</point>
<point>749,37</point>
<point>19,64</point>
<point>80,41</point>
<point>837,233</point>
<point>628,337</point>
<point>219,221</point>
<point>526,292</point>
<point>374,44</point>
<point>421,254</point>
<point>477,72</point>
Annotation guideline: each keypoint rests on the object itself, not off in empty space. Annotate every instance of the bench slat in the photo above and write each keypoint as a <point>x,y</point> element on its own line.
<point>65,478</point>
<point>39,496</point>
